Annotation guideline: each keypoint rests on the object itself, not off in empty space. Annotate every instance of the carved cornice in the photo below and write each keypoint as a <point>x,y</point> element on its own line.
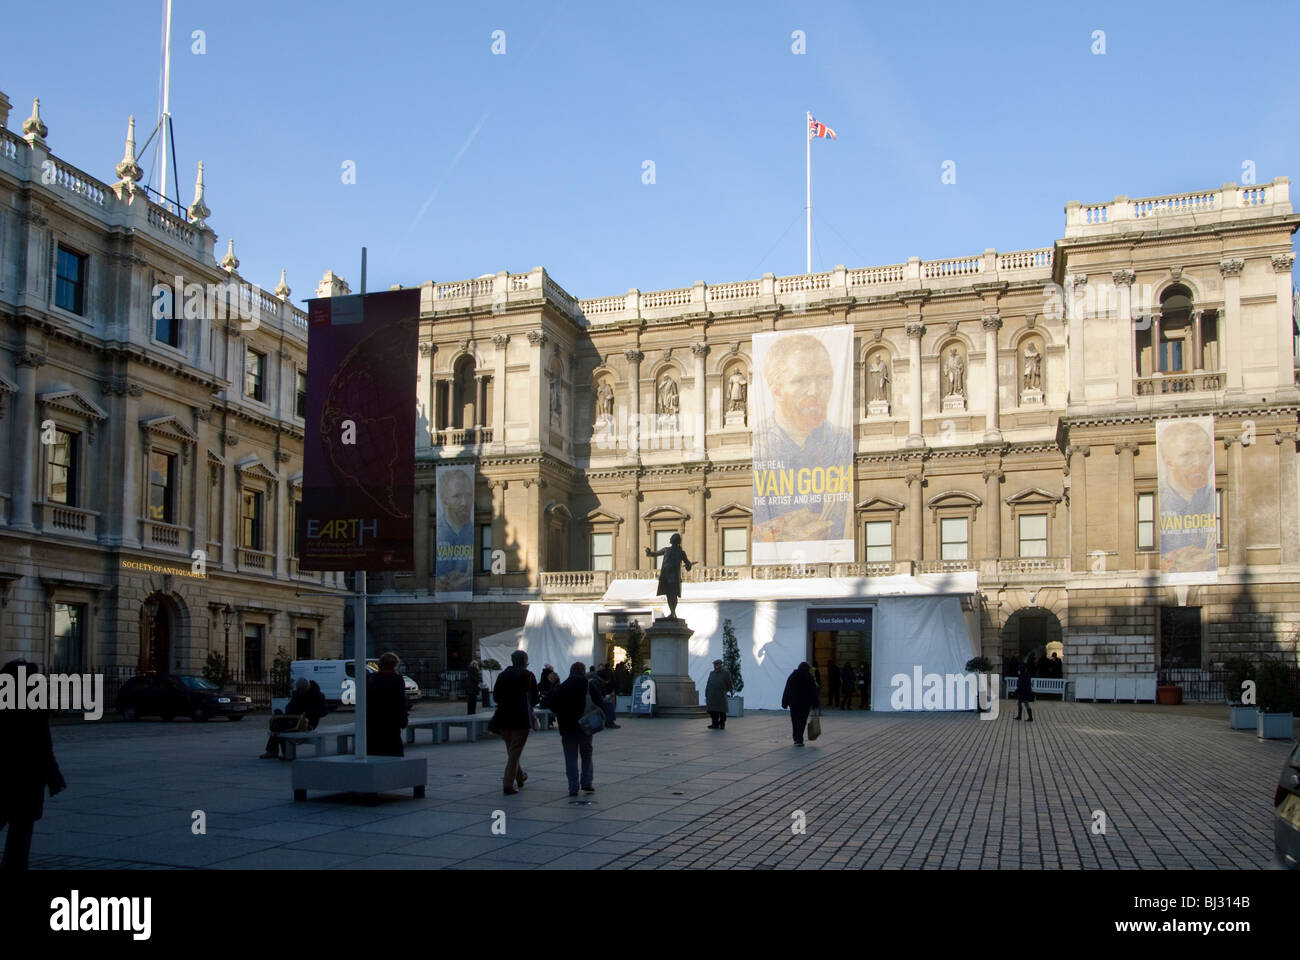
<point>427,348</point>
<point>915,330</point>
<point>1127,447</point>
<point>700,350</point>
<point>203,413</point>
<point>538,337</point>
<point>229,439</point>
<point>634,356</point>
<point>992,322</point>
<point>500,340</point>
<point>1283,436</point>
<point>1075,279</point>
<point>1123,278</point>
<point>1072,449</point>
<point>1231,267</point>
<point>30,358</point>
<point>34,218</point>
<point>1283,262</point>
<point>990,472</point>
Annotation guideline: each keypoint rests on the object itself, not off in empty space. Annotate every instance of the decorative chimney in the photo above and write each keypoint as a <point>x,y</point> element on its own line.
<point>230,262</point>
<point>282,288</point>
<point>332,285</point>
<point>33,129</point>
<point>198,211</point>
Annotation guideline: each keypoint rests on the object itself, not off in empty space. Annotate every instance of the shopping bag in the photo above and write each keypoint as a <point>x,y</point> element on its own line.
<point>815,725</point>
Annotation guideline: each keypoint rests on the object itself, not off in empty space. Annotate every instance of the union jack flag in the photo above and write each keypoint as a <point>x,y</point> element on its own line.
<point>816,129</point>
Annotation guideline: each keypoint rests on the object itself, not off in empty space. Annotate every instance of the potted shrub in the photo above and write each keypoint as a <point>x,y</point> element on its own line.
<point>1243,709</point>
<point>731,663</point>
<point>1169,694</point>
<point>1276,700</point>
<point>980,666</point>
<point>488,665</point>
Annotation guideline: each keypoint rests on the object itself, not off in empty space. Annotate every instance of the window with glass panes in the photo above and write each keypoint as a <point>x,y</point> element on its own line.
<point>68,654</point>
<point>252,515</point>
<point>602,551</point>
<point>735,547</point>
<point>253,651</point>
<point>166,318</point>
<point>300,404</point>
<point>162,484</point>
<point>880,541</point>
<point>1033,535</point>
<point>255,375</point>
<point>306,641</point>
<point>1146,521</point>
<point>61,468</point>
<point>954,538</point>
<point>485,547</point>
<point>662,542</point>
<point>70,281</point>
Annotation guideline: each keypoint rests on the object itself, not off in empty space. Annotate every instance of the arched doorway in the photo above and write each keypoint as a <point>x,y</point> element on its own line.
<point>157,631</point>
<point>1036,632</point>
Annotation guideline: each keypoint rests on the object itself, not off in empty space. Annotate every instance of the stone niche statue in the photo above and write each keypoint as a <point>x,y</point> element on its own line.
<point>666,398</point>
<point>878,386</point>
<point>954,374</point>
<point>1032,369</point>
<point>737,410</point>
<point>604,401</point>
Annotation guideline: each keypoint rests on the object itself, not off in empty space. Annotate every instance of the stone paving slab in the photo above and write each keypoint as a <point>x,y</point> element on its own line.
<point>1177,788</point>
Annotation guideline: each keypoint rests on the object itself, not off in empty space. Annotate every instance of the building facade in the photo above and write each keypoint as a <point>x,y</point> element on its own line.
<point>153,430</point>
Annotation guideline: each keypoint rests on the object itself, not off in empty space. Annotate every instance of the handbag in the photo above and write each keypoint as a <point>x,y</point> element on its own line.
<point>289,723</point>
<point>815,725</point>
<point>593,721</point>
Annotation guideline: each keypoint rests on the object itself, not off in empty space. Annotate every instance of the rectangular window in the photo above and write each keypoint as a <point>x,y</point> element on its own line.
<point>661,542</point>
<point>61,472</point>
<point>953,539</point>
<point>252,520</point>
<point>162,484</point>
<point>70,281</point>
<point>880,541</point>
<point>1146,518</point>
<point>485,548</point>
<point>166,319</point>
<point>253,651</point>
<point>300,403</point>
<point>735,547</point>
<point>68,655</point>
<point>306,643</point>
<point>1033,535</point>
<point>255,375</point>
<point>1218,516</point>
<point>602,551</point>
<point>1180,637</point>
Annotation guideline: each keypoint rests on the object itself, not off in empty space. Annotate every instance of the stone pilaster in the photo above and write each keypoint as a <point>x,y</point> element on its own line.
<point>992,425</point>
<point>915,517</point>
<point>1074,314</point>
<point>1231,341</point>
<point>1077,459</point>
<point>27,462</point>
<point>1237,526</point>
<point>634,358</point>
<point>1282,264</point>
<point>1125,342</point>
<point>698,429</point>
<point>915,385</point>
<point>1290,508</point>
<point>993,512</point>
<point>501,341</point>
<point>1126,506</point>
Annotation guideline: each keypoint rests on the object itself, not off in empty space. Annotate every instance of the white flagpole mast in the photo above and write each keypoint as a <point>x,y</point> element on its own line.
<point>807,136</point>
<point>166,104</point>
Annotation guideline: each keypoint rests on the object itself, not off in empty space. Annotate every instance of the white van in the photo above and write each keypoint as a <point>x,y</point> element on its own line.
<point>330,676</point>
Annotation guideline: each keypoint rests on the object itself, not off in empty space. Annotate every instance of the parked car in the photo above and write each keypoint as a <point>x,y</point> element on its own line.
<point>171,695</point>
<point>1286,816</point>
<point>330,676</point>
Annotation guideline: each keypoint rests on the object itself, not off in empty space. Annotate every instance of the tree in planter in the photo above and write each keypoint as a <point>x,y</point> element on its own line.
<point>979,665</point>
<point>215,670</point>
<point>731,657</point>
<point>1237,670</point>
<point>488,665</point>
<point>635,655</point>
<point>1273,687</point>
<point>280,673</point>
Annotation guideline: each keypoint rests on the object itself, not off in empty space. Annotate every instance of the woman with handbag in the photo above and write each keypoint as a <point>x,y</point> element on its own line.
<point>580,714</point>
<point>801,697</point>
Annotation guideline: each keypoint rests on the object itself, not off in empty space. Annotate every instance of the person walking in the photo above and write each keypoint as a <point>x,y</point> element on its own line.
<point>1025,688</point>
<point>27,769</point>
<point>848,683</point>
<point>569,701</point>
<point>515,693</point>
<point>473,686</point>
<point>307,701</point>
<point>800,697</point>
<point>607,702</point>
<point>715,696</point>
<point>833,685</point>
<point>386,710</point>
<point>864,681</point>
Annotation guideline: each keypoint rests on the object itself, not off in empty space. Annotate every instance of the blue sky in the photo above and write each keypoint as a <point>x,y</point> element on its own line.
<point>469,162</point>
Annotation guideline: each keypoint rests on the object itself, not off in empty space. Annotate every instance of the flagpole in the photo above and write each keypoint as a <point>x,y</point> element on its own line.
<point>807,136</point>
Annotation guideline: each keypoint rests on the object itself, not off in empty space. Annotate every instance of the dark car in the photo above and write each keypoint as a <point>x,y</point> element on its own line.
<point>1286,819</point>
<point>170,696</point>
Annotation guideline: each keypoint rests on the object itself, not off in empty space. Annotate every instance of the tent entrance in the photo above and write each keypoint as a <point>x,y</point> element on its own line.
<point>611,631</point>
<point>842,635</point>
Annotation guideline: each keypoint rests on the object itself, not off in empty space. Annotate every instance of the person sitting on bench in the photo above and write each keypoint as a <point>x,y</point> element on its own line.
<point>307,701</point>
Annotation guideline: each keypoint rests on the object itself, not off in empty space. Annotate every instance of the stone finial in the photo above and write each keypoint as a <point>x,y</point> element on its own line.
<point>282,288</point>
<point>33,128</point>
<point>198,211</point>
<point>128,169</point>
<point>332,285</point>
<point>230,262</point>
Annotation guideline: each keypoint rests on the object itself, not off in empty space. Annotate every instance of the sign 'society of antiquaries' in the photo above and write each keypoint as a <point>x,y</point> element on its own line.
<point>359,463</point>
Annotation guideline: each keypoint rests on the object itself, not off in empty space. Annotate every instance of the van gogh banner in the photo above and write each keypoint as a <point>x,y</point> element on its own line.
<point>1185,505</point>
<point>358,487</point>
<point>454,537</point>
<point>803,446</point>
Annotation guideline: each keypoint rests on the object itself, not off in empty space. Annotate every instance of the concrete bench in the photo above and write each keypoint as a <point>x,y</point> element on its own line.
<point>475,725</point>
<point>345,739</point>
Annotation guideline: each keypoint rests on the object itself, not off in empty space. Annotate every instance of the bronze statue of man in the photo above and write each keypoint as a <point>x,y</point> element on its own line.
<point>670,574</point>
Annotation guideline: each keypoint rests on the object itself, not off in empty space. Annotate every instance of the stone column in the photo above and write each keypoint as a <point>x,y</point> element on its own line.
<point>992,426</point>
<point>424,406</point>
<point>538,413</point>
<point>993,512</point>
<point>1074,337</point>
<point>421,544</point>
<point>498,488</point>
<point>1282,263</point>
<point>202,481</point>
<point>700,350</point>
<point>915,330</point>
<point>1077,457</point>
<point>501,341</point>
<point>281,526</point>
<point>697,534</point>
<point>1125,342</point>
<point>131,463</point>
<point>1286,478</point>
<point>1237,528</point>
<point>633,497</point>
<point>1125,515</point>
<point>915,519</point>
<point>634,358</point>
<point>27,462</point>
<point>230,504</point>
<point>1230,337</point>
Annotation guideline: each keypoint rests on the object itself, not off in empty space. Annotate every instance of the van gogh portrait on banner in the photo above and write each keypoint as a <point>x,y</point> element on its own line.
<point>1186,506</point>
<point>453,569</point>
<point>803,446</point>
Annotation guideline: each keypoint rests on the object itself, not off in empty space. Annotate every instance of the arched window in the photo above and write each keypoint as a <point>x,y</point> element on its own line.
<point>463,406</point>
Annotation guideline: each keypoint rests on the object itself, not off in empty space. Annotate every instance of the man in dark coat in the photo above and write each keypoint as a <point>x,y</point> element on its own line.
<point>800,697</point>
<point>607,701</point>
<point>848,683</point>
<point>515,693</point>
<point>473,686</point>
<point>570,700</point>
<point>27,768</point>
<point>670,574</point>
<point>833,685</point>
<point>1025,687</point>
<point>386,713</point>
<point>715,695</point>
<point>309,701</point>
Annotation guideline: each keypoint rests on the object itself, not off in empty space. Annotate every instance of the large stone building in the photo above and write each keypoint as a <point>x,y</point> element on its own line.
<point>152,437</point>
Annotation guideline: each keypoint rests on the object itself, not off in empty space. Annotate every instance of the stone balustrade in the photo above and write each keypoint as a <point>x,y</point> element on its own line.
<point>1228,203</point>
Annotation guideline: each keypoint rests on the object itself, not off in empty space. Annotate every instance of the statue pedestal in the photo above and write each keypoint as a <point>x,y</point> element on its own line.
<point>735,418</point>
<point>675,693</point>
<point>878,408</point>
<point>1031,398</point>
<point>953,402</point>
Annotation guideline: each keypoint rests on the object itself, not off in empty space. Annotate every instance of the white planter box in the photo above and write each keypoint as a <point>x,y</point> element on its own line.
<point>735,706</point>
<point>1275,726</point>
<point>623,704</point>
<point>1242,717</point>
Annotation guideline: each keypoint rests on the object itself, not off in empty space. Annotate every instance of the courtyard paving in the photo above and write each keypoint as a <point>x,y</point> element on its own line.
<point>1172,788</point>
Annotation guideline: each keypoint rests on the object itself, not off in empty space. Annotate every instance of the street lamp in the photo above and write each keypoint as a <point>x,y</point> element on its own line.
<point>228,612</point>
<point>150,613</point>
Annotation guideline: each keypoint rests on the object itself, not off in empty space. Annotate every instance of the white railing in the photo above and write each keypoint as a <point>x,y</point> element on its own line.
<point>1178,203</point>
<point>1227,203</point>
<point>170,224</point>
<point>807,281</point>
<point>254,559</point>
<point>956,267</point>
<point>163,534</point>
<point>74,521</point>
<point>1024,260</point>
<point>82,184</point>
<point>666,298</point>
<point>461,289</point>
<point>602,305</point>
<point>1034,565</point>
<point>876,276</point>
<point>299,318</point>
<point>1167,383</point>
<point>9,142</point>
<point>740,290</point>
<point>944,566</point>
<point>519,282</point>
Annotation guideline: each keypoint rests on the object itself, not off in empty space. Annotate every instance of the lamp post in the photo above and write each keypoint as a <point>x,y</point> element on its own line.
<point>150,613</point>
<point>228,613</point>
